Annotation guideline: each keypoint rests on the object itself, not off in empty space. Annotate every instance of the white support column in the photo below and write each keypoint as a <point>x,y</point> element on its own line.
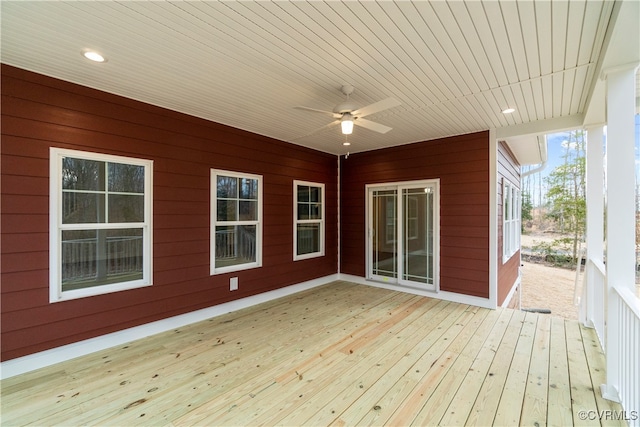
<point>621,220</point>
<point>595,217</point>
<point>620,185</point>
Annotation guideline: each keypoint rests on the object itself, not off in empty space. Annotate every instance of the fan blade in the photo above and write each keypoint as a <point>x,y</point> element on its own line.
<point>376,107</point>
<point>314,110</point>
<point>328,125</point>
<point>368,124</point>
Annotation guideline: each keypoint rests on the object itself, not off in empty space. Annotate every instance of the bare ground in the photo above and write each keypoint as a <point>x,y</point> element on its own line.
<point>550,288</point>
<point>545,286</point>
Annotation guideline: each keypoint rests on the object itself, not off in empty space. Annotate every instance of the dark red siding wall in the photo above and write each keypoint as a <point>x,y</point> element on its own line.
<point>39,112</point>
<point>462,164</point>
<point>508,168</point>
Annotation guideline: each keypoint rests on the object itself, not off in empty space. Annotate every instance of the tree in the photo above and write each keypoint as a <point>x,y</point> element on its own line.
<point>566,190</point>
<point>526,209</point>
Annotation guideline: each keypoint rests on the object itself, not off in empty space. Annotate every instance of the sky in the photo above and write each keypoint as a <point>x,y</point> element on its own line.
<point>555,151</point>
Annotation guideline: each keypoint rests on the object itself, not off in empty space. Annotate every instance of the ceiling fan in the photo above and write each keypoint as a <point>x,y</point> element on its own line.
<point>348,115</point>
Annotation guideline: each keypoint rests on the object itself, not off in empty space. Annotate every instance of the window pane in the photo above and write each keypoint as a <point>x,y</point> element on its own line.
<point>303,211</point>
<point>81,174</point>
<point>226,210</point>
<point>126,208</point>
<point>507,203</point>
<point>78,256</point>
<point>235,245</point>
<point>315,211</point>
<point>126,178</point>
<point>227,187</point>
<point>100,257</point>
<point>82,208</point>
<point>248,210</point>
<point>308,238</point>
<point>314,194</point>
<point>248,188</point>
<point>303,193</point>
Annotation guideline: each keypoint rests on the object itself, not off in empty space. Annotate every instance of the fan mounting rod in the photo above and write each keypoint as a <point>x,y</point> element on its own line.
<point>347,89</point>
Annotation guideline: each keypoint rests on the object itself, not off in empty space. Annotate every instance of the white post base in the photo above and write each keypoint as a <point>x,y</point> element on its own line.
<point>609,392</point>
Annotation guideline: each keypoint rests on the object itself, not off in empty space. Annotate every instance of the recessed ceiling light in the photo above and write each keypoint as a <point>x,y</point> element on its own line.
<point>93,56</point>
<point>508,110</point>
<point>346,143</point>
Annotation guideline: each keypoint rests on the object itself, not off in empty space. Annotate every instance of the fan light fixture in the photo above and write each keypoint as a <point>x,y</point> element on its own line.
<point>346,123</point>
<point>347,114</point>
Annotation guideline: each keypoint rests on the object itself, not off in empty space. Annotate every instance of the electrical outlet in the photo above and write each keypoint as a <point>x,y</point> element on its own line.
<point>233,284</point>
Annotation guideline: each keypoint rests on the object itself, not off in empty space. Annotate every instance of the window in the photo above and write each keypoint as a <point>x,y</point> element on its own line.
<point>100,224</point>
<point>236,221</point>
<point>308,240</point>
<point>510,220</point>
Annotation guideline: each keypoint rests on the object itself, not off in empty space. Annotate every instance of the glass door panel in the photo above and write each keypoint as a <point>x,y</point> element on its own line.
<point>384,240</point>
<point>417,236</point>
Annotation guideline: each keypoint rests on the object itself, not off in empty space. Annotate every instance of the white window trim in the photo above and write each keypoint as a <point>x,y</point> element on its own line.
<point>511,227</point>
<point>213,222</point>
<point>296,221</point>
<point>55,226</point>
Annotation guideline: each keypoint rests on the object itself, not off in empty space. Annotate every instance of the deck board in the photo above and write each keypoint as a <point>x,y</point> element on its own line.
<point>488,399</point>
<point>435,408</point>
<point>559,410</point>
<point>418,380</point>
<point>582,390</point>
<point>340,354</point>
<point>463,401</point>
<point>595,358</point>
<point>534,405</point>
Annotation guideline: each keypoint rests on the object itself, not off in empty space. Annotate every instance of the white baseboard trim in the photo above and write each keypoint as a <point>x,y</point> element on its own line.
<point>515,285</point>
<point>67,352</point>
<point>443,295</point>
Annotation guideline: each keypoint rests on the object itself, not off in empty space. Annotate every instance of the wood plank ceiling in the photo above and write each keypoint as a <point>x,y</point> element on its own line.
<point>453,65</point>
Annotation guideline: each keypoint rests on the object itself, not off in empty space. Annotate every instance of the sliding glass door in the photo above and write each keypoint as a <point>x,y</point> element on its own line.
<point>402,242</point>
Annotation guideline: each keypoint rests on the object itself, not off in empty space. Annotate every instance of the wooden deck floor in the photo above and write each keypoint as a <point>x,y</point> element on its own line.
<point>341,354</point>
